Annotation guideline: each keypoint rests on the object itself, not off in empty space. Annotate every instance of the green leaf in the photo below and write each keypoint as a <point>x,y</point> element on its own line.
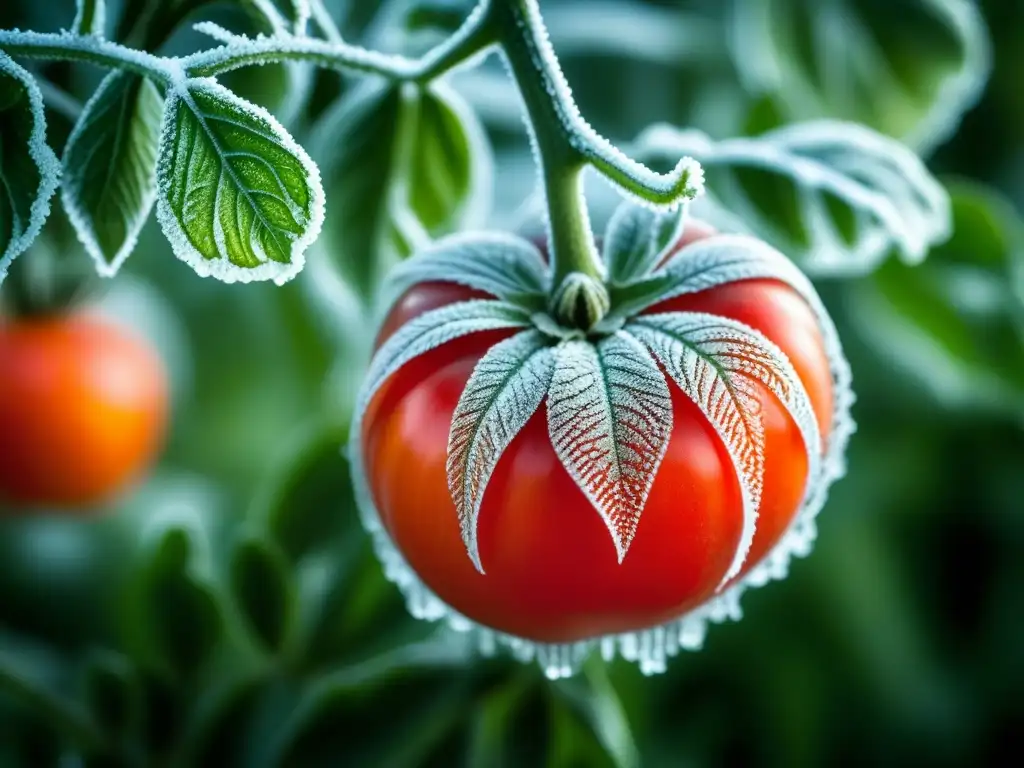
<point>307,504</point>
<point>612,397</point>
<point>239,199</point>
<point>595,700</point>
<point>379,714</point>
<point>356,146</point>
<point>505,266</point>
<point>112,694</point>
<point>178,618</point>
<point>517,706</point>
<point>31,676</point>
<point>909,72</point>
<point>29,171</point>
<point>636,239</point>
<point>837,198</point>
<point>264,590</point>
<point>955,324</point>
<point>506,389</point>
<point>450,173</point>
<point>109,183</point>
<point>389,152</point>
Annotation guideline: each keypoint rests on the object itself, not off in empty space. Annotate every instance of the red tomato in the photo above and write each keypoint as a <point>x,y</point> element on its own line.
<point>83,409</point>
<point>552,574</point>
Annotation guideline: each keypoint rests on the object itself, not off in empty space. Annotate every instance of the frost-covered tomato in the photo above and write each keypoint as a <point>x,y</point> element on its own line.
<point>83,407</point>
<point>616,479</point>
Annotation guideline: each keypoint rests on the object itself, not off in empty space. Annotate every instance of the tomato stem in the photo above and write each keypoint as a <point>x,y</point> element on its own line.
<point>550,114</point>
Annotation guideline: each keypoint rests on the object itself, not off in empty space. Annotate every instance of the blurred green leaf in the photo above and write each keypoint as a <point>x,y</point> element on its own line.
<point>448,158</point>
<point>308,503</point>
<point>353,610</point>
<point>32,677</point>
<point>175,618</point>
<point>263,588</point>
<point>955,324</point>
<point>356,148</point>
<point>596,702</point>
<point>390,710</point>
<point>111,692</point>
<point>836,198</point>
<point>500,720</point>
<point>387,152</point>
<point>908,69</point>
<point>220,723</point>
<point>443,16</point>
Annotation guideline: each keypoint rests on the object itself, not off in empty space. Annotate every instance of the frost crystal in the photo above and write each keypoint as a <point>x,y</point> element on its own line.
<point>505,390</point>
<point>23,138</point>
<point>716,362</point>
<point>883,189</point>
<point>239,199</point>
<point>609,417</point>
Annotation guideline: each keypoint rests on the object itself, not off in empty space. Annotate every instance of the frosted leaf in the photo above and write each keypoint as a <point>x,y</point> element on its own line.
<point>29,171</point>
<point>609,418</point>
<point>726,259</point>
<point>505,390</point>
<point>910,73</point>
<point>399,158</point>
<point>502,265</point>
<point>636,237</point>
<point>238,198</point>
<point>859,195</point>
<point>717,363</point>
<point>432,329</point>
<point>109,182</point>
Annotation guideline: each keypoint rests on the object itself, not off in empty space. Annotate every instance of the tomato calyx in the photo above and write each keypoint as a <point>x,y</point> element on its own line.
<point>580,302</point>
<point>601,360</point>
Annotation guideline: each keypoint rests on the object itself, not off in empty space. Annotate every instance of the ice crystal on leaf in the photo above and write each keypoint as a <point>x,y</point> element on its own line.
<point>109,183</point>
<point>29,171</point>
<point>609,417</point>
<point>859,194</point>
<point>238,198</point>
<point>505,390</point>
<point>609,410</point>
<point>716,362</point>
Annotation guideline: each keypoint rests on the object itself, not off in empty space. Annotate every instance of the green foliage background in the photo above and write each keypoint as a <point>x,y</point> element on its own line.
<point>229,611</point>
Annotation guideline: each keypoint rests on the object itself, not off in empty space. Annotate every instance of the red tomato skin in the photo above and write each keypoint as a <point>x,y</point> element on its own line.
<point>552,574</point>
<point>83,411</point>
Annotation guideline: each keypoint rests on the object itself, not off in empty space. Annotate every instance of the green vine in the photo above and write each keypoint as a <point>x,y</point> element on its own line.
<point>565,142</point>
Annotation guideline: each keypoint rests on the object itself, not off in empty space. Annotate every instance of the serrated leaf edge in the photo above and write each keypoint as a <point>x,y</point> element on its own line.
<point>44,158</point>
<point>432,329</point>
<point>221,268</point>
<point>441,262</point>
<point>684,342</point>
<point>506,388</point>
<point>80,220</point>
<point>624,426</point>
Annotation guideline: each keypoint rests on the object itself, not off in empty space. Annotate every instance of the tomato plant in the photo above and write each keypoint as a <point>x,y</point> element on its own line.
<point>582,419</point>
<point>83,409</point>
